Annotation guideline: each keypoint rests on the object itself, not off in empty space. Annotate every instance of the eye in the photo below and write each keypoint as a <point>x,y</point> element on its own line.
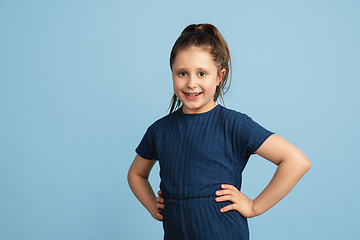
<point>201,74</point>
<point>182,74</point>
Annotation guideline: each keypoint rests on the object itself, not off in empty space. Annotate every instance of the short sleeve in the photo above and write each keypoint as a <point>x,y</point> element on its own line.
<point>252,135</point>
<point>146,148</point>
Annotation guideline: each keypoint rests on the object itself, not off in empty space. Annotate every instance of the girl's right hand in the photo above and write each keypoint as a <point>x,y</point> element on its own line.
<point>159,206</point>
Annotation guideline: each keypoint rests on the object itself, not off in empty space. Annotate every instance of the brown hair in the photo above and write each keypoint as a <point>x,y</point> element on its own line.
<point>204,36</point>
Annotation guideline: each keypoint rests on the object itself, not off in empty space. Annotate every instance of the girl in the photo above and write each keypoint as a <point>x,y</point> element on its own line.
<point>202,149</point>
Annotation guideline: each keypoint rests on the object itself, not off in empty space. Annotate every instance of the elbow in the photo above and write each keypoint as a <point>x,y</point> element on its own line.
<point>131,179</point>
<point>299,163</point>
<point>304,164</point>
<point>133,176</point>
<point>130,176</point>
<point>308,165</point>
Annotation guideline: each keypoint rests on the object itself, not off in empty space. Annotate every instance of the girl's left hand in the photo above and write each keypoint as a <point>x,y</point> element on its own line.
<point>240,202</point>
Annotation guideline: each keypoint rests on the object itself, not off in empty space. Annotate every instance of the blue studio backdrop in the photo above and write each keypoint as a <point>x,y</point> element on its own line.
<point>80,81</point>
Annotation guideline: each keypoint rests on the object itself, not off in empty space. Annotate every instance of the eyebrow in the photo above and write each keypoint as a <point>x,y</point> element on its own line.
<point>185,69</point>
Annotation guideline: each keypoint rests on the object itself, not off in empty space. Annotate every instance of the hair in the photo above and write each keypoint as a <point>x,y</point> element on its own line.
<point>208,37</point>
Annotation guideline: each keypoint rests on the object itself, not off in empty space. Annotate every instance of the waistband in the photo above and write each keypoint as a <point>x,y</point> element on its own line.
<point>189,200</point>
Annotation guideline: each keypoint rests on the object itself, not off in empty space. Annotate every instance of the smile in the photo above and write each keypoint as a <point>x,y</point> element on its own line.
<point>192,94</point>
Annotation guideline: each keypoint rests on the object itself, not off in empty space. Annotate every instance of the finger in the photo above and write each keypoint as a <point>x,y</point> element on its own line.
<point>224,192</point>
<point>160,200</point>
<point>159,192</point>
<point>160,206</point>
<point>228,186</point>
<point>160,217</point>
<point>225,198</point>
<point>228,208</point>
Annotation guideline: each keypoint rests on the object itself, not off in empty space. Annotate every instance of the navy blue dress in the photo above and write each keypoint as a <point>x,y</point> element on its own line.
<point>197,153</point>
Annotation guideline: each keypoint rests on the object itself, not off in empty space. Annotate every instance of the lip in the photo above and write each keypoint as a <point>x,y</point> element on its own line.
<point>192,98</point>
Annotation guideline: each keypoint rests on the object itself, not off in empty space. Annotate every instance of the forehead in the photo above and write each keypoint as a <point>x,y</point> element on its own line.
<point>194,57</point>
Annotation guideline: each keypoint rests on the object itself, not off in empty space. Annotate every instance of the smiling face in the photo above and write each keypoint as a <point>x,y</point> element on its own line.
<point>195,78</point>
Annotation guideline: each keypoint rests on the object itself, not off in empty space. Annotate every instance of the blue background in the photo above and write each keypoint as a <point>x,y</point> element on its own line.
<point>80,81</point>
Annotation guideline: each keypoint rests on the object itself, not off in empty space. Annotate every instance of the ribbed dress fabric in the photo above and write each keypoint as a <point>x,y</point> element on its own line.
<point>197,153</point>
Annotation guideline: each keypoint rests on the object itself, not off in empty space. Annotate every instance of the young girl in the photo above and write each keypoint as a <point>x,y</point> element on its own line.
<point>202,149</point>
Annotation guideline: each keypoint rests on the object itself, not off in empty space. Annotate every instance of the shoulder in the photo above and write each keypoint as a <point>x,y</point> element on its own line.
<point>227,114</point>
<point>238,120</point>
<point>164,121</point>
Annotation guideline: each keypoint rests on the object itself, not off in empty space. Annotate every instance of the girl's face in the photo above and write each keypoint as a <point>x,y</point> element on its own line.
<point>195,78</point>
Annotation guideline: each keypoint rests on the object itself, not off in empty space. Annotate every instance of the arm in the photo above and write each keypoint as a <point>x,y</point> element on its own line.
<point>292,165</point>
<point>138,181</point>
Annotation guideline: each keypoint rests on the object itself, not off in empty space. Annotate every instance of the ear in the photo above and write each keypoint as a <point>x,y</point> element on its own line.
<point>220,76</point>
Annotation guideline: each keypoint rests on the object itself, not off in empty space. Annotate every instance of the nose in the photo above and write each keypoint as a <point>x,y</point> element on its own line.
<point>192,83</point>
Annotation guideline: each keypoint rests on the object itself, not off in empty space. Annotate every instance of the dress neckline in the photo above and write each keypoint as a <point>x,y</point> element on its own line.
<point>198,114</point>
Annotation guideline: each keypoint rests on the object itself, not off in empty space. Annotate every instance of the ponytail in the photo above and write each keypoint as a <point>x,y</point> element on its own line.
<point>204,36</point>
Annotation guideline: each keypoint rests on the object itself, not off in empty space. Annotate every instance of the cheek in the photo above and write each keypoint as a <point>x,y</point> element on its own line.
<point>211,86</point>
<point>176,85</point>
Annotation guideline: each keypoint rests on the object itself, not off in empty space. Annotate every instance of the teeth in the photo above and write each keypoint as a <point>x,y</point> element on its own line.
<point>193,94</point>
